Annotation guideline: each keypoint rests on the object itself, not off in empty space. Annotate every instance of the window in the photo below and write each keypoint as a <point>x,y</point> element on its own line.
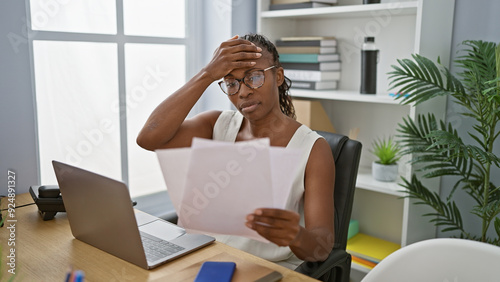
<point>152,72</point>
<point>100,68</point>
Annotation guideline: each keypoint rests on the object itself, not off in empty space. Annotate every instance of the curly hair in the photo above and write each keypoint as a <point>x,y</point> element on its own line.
<point>286,105</point>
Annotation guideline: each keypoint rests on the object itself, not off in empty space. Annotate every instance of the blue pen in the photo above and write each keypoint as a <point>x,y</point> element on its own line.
<point>398,94</point>
<point>79,276</point>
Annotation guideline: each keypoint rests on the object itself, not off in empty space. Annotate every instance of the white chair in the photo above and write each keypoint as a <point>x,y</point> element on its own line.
<point>443,260</point>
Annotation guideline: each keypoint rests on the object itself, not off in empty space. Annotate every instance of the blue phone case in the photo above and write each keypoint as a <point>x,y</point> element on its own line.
<point>220,271</point>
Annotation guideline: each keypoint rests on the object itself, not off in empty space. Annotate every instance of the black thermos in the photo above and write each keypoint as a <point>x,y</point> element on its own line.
<point>369,58</point>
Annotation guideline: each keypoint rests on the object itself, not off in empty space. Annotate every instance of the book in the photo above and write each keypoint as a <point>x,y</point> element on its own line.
<point>308,75</point>
<point>302,1</point>
<point>370,248</point>
<point>315,85</point>
<point>306,49</point>
<point>306,38</point>
<point>323,66</point>
<point>283,42</point>
<point>304,5</point>
<point>353,228</point>
<point>363,262</point>
<point>308,58</point>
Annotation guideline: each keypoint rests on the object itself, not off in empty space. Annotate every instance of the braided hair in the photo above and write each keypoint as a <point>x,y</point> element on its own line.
<point>286,105</point>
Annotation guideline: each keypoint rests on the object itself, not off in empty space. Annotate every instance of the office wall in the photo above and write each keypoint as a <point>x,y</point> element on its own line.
<point>17,122</point>
<point>474,20</point>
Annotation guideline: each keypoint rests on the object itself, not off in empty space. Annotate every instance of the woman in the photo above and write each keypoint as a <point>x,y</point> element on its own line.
<point>254,81</point>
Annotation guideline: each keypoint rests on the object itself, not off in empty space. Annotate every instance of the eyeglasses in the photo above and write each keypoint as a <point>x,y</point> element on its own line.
<point>253,79</point>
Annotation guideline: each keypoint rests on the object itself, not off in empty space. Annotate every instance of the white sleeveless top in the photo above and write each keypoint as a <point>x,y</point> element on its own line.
<point>226,129</point>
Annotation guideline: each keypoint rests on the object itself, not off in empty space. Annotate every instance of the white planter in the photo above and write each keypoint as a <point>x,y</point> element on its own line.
<point>386,173</point>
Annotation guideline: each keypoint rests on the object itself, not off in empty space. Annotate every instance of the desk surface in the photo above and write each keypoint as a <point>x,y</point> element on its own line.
<point>45,250</point>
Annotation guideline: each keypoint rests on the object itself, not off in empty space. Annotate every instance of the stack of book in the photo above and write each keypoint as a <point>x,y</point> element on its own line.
<point>311,62</point>
<point>368,251</point>
<point>300,4</point>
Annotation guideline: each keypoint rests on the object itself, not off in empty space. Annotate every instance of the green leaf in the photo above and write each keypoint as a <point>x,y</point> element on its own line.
<point>387,150</point>
<point>420,78</point>
<point>497,226</point>
<point>446,214</point>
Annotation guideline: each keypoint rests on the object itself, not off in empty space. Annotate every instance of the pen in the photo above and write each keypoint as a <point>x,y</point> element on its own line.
<point>79,276</point>
<point>68,274</point>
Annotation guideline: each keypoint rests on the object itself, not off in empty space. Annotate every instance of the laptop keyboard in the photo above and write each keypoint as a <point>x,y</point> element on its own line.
<point>156,248</point>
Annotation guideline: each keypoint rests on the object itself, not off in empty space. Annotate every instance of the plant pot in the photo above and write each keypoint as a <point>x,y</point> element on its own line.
<point>386,173</point>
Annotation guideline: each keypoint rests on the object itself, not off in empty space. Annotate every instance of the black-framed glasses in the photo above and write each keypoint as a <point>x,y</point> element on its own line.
<point>253,79</point>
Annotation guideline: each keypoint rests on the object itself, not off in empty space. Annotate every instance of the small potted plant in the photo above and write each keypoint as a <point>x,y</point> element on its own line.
<point>387,151</point>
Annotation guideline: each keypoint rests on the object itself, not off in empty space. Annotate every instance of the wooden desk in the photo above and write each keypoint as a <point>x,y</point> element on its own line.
<point>45,250</point>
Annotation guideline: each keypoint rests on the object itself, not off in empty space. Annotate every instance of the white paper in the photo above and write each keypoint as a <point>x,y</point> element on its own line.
<point>174,165</point>
<point>214,185</point>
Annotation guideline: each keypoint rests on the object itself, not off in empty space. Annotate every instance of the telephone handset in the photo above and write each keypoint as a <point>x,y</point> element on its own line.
<point>48,199</point>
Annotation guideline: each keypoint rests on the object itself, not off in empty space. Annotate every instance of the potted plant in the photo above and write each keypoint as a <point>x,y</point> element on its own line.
<point>436,145</point>
<point>387,151</point>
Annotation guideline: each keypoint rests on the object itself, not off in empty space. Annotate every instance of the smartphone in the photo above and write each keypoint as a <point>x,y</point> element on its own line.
<point>220,271</point>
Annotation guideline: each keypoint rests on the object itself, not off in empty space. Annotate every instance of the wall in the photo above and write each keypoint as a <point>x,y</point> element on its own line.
<point>17,122</point>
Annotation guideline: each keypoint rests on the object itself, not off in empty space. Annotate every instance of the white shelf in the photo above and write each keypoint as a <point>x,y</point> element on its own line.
<point>366,181</point>
<point>342,95</point>
<point>359,267</point>
<point>351,11</point>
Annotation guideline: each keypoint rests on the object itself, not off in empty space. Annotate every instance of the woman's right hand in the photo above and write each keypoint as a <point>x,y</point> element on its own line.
<point>235,53</point>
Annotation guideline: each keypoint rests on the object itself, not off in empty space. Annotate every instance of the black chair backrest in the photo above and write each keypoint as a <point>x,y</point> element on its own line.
<point>346,153</point>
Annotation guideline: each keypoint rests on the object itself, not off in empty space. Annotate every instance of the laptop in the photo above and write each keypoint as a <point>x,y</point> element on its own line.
<point>100,213</point>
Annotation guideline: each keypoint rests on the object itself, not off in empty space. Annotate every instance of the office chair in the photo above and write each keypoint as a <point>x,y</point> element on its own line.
<point>442,259</point>
<point>337,266</point>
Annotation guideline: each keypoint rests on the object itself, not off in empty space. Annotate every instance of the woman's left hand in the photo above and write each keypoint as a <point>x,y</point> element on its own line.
<point>276,225</point>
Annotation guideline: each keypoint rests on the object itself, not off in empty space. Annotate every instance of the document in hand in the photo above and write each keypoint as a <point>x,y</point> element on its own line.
<point>214,185</point>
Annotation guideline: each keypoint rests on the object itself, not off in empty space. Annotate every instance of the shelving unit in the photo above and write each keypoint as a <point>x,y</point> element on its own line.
<point>366,181</point>
<point>400,28</point>
<point>342,95</point>
<point>359,268</point>
<point>351,11</point>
